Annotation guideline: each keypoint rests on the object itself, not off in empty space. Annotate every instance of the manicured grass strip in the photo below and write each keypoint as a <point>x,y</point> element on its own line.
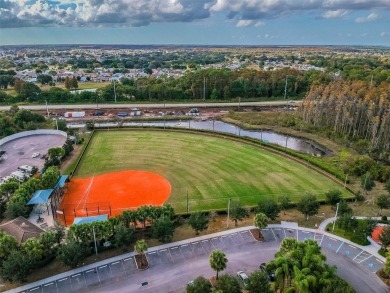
<point>211,169</point>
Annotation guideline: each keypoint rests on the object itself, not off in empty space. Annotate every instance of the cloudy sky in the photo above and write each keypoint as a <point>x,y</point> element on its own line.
<point>202,22</point>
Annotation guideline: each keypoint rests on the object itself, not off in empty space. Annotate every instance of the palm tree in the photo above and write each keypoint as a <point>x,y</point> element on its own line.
<point>260,221</point>
<point>283,272</point>
<point>143,213</point>
<point>140,248</point>
<point>218,261</point>
<point>304,282</point>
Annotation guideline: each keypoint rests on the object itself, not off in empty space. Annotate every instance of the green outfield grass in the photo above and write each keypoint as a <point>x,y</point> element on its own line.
<point>211,169</point>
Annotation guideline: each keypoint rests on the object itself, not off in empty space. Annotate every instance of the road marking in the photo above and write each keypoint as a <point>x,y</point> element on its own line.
<point>174,247</point>
<point>274,235</point>
<point>339,247</point>
<point>184,245</point>
<point>114,263</point>
<point>48,284</point>
<point>91,270</point>
<point>333,239</point>
<point>195,242</point>
<point>322,239</point>
<point>152,252</point>
<point>206,240</point>
<point>234,234</point>
<point>351,246</point>
<point>163,250</point>
<point>307,232</point>
<point>277,229</point>
<point>76,275</point>
<point>379,260</point>
<point>365,259</point>
<point>358,254</point>
<point>34,289</point>
<point>129,258</point>
<point>62,280</point>
<point>102,267</point>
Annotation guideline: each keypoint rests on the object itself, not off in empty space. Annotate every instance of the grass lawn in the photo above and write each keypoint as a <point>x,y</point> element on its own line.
<point>211,169</point>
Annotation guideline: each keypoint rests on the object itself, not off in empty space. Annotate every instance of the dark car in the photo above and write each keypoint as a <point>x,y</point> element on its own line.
<point>271,275</point>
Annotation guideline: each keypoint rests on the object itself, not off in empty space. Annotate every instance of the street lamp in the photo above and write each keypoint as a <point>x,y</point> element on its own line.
<point>337,210</point>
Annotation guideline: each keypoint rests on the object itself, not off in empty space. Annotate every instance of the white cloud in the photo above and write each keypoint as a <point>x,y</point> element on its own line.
<point>371,17</point>
<point>385,34</point>
<point>249,22</point>
<point>20,13</point>
<point>334,13</point>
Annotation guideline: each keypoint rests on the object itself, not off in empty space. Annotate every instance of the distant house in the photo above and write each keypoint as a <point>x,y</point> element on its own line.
<point>21,229</point>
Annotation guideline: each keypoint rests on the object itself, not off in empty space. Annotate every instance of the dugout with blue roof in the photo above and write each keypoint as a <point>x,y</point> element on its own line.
<point>40,197</point>
<point>61,181</point>
<point>84,220</point>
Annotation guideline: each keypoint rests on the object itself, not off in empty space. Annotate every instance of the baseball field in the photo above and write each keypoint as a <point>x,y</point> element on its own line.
<point>210,169</point>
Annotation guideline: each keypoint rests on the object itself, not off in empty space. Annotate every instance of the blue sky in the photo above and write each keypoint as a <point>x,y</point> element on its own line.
<point>202,22</point>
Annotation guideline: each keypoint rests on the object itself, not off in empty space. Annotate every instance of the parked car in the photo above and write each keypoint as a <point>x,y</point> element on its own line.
<point>271,275</point>
<point>243,277</point>
<point>35,155</point>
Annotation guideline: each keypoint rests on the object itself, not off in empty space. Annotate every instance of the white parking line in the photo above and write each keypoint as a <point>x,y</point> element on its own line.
<point>351,246</point>
<point>195,242</point>
<point>114,263</point>
<point>306,232</point>
<point>184,245</point>
<point>234,234</point>
<point>34,289</point>
<point>379,260</point>
<point>129,258</point>
<point>322,239</point>
<point>48,284</point>
<point>207,240</point>
<point>364,259</point>
<point>76,275</point>
<point>274,235</point>
<point>102,267</point>
<point>91,270</point>
<point>358,254</point>
<point>174,247</point>
<point>152,252</point>
<point>163,250</point>
<point>339,247</point>
<point>62,280</point>
<point>333,239</point>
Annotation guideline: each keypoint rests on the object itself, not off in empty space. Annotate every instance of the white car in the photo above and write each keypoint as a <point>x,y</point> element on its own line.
<point>243,277</point>
<point>35,155</point>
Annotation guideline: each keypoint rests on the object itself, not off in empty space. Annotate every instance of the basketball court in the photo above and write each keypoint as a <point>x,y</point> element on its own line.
<point>111,194</point>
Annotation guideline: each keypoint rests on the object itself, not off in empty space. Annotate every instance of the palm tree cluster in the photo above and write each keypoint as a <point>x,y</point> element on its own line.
<point>300,267</point>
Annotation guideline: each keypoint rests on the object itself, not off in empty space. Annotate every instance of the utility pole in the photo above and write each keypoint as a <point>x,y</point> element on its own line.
<point>228,215</point>
<point>285,88</point>
<point>204,88</point>
<point>114,91</point>
<point>57,123</point>
<point>345,182</point>
<point>337,210</point>
<point>94,238</point>
<point>188,207</point>
<point>47,109</point>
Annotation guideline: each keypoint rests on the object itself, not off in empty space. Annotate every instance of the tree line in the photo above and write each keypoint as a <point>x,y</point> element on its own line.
<point>354,110</point>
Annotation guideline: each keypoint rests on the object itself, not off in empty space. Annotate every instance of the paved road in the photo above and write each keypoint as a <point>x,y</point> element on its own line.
<point>160,105</point>
<point>172,266</point>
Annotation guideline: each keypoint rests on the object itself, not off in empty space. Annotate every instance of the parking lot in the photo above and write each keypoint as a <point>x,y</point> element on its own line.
<point>160,259</point>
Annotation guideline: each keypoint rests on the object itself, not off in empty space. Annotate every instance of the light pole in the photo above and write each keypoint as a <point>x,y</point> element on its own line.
<point>94,239</point>
<point>337,210</point>
<point>228,215</point>
<point>47,109</point>
<point>114,91</point>
<point>285,88</point>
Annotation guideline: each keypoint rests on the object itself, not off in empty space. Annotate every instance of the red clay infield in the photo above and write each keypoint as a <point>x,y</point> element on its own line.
<point>112,193</point>
<point>376,232</point>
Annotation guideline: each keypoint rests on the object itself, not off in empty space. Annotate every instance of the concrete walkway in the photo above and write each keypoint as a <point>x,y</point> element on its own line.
<point>289,225</point>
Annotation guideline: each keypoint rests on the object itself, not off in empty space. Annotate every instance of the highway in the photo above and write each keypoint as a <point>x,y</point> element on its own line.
<point>159,105</point>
